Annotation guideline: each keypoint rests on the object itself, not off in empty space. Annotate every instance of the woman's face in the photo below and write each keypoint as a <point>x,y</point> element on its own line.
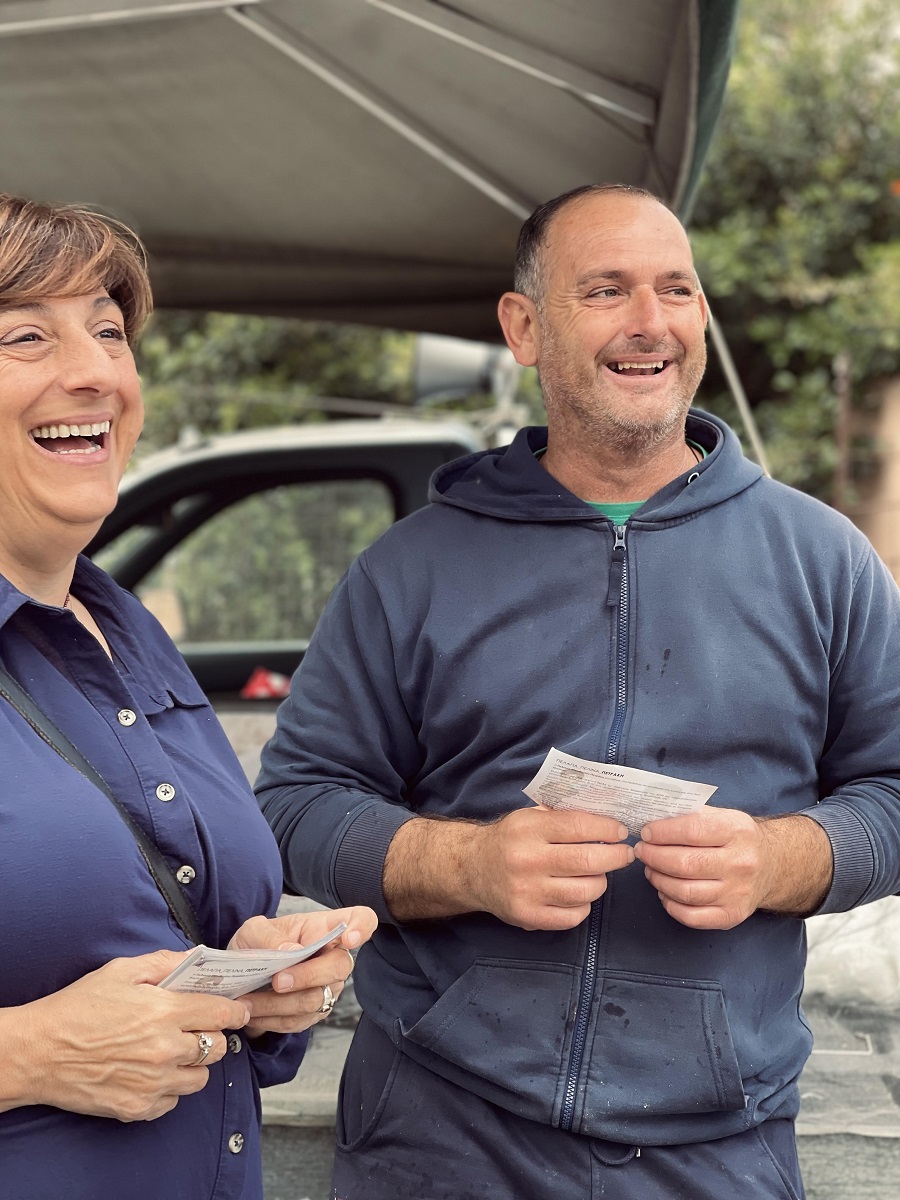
<point>70,413</point>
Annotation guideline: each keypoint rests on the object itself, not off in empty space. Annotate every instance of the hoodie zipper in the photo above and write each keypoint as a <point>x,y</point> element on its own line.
<point>617,596</point>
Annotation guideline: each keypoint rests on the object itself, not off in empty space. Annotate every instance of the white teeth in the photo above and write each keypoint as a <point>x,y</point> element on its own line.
<point>637,366</point>
<point>64,431</point>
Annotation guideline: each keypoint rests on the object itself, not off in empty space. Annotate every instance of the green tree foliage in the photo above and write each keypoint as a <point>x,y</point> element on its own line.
<point>797,230</point>
<point>219,372</point>
<point>262,569</point>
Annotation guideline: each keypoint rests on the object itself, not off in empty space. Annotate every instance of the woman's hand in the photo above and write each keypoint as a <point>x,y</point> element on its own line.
<point>294,1001</point>
<point>112,1044</point>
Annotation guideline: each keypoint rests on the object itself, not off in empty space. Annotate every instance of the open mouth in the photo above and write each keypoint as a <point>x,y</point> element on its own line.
<point>71,439</point>
<point>637,369</point>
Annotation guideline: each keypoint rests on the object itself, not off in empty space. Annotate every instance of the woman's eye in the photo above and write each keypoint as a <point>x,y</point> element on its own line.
<point>19,339</point>
<point>113,333</point>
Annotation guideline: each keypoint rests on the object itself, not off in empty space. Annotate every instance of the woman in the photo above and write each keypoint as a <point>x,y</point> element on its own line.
<point>108,1084</point>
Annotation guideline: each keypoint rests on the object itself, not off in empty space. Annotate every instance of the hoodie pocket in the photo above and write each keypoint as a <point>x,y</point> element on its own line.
<point>661,1046</point>
<point>508,1022</point>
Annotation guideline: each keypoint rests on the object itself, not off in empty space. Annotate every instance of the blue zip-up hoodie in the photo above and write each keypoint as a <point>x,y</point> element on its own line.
<point>742,635</point>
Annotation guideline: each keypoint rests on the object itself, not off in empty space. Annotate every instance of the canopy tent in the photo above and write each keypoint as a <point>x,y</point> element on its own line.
<point>351,160</point>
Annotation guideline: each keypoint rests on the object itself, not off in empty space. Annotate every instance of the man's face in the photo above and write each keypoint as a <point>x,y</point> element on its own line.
<point>619,341</point>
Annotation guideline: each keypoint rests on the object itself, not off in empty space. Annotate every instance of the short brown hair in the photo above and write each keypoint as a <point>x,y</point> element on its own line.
<point>68,250</point>
<point>528,279</point>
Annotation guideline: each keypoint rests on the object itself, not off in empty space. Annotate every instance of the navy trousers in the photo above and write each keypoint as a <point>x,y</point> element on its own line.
<point>404,1133</point>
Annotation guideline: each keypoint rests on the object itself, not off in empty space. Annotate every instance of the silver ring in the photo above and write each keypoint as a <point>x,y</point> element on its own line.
<point>352,960</point>
<point>205,1043</point>
<point>328,999</point>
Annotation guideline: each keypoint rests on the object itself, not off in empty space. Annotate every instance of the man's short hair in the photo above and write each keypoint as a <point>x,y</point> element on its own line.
<point>528,278</point>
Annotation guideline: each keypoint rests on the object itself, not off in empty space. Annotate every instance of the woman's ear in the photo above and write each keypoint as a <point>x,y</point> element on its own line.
<point>519,322</point>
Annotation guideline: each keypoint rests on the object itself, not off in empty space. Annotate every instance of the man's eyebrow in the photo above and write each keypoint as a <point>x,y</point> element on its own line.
<point>676,276</point>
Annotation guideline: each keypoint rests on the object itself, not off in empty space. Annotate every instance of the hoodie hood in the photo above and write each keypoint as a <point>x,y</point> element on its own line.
<point>509,482</point>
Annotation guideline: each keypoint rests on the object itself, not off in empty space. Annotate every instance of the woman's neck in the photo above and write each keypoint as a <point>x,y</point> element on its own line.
<point>44,576</point>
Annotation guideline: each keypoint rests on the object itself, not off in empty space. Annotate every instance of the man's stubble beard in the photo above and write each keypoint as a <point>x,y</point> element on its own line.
<point>578,406</point>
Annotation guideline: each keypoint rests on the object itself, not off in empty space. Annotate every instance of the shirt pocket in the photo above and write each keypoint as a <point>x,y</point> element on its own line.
<point>507,1022</point>
<point>180,693</point>
<point>660,1046</point>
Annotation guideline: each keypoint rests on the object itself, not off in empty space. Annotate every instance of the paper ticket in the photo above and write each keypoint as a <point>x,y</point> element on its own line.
<point>233,973</point>
<point>631,796</point>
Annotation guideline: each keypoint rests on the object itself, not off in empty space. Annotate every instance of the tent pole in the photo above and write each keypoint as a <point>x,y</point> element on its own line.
<point>480,37</point>
<point>300,52</point>
<point>117,16</point>
<point>737,390</point>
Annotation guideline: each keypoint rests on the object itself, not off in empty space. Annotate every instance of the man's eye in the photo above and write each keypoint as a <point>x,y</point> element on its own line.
<point>605,293</point>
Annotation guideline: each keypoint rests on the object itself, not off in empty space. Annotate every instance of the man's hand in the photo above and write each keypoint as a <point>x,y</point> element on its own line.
<point>537,868</point>
<point>294,1001</point>
<point>715,867</point>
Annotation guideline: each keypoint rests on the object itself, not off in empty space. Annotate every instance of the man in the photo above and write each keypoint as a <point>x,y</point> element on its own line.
<point>550,1009</point>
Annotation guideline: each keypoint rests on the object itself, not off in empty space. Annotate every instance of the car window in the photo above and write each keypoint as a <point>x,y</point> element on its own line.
<point>262,568</point>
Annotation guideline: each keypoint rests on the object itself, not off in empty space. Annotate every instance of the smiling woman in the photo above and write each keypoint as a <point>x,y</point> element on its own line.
<point>96,1058</point>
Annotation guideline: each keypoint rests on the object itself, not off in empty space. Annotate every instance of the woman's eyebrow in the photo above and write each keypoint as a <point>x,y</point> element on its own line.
<point>102,301</point>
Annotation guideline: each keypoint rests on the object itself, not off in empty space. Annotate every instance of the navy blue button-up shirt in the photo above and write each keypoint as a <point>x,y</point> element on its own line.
<point>76,893</point>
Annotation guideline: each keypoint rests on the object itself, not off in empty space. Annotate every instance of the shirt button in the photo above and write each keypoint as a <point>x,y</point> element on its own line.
<point>234,1043</point>
<point>236,1143</point>
<point>185,874</point>
<point>125,716</point>
<point>165,791</point>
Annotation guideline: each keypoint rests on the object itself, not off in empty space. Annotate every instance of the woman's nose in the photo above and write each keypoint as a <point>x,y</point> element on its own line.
<point>87,366</point>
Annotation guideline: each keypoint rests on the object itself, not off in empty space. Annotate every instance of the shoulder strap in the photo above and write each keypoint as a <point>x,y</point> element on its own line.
<point>162,874</point>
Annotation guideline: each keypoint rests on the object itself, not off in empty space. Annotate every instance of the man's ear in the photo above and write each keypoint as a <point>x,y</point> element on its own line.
<point>519,322</point>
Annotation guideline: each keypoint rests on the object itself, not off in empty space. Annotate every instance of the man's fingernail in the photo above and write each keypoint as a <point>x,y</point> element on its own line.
<point>284,982</point>
<point>623,832</point>
<point>247,1015</point>
<point>354,937</point>
<point>646,835</point>
<point>290,946</point>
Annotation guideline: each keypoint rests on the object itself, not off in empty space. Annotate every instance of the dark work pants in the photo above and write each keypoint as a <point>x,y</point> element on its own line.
<point>404,1133</point>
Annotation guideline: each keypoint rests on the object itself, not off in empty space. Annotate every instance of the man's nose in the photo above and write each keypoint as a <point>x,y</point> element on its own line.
<point>86,366</point>
<point>646,317</point>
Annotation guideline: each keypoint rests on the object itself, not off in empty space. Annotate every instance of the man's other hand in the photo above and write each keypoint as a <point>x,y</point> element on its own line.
<point>542,868</point>
<point>537,868</point>
<point>715,867</point>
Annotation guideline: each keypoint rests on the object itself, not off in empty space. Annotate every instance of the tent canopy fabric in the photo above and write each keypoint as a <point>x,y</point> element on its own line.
<point>351,160</point>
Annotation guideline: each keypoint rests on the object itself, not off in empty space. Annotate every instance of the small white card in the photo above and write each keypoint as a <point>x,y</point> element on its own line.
<point>631,796</point>
<point>234,973</point>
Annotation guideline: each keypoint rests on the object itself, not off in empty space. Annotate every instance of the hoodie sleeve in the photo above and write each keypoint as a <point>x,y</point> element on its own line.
<point>333,781</point>
<point>860,766</point>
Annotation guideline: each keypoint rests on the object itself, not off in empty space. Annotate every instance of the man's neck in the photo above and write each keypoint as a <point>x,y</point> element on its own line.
<point>609,474</point>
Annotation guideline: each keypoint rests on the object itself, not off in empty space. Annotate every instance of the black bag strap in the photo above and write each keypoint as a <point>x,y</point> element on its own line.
<point>162,874</point>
